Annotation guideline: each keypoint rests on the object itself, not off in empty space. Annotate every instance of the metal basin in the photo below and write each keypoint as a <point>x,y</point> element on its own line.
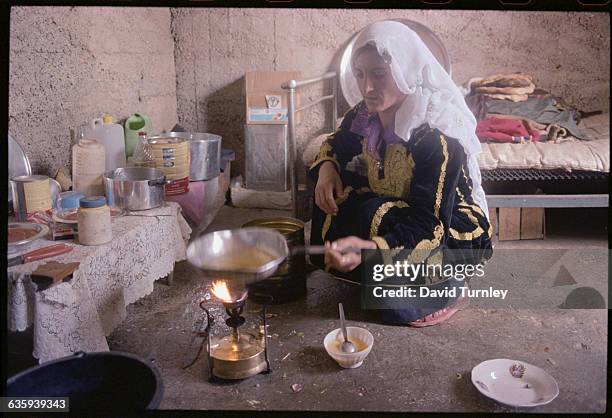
<point>101,381</point>
<point>229,254</point>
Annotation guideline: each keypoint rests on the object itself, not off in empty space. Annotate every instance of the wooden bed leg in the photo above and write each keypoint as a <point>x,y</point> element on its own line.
<point>509,224</point>
<point>493,220</point>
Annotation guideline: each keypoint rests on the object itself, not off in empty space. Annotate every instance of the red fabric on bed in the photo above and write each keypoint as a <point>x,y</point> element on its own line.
<point>505,130</point>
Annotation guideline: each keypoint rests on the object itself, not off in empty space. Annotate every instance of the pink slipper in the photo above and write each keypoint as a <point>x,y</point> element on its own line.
<point>441,315</point>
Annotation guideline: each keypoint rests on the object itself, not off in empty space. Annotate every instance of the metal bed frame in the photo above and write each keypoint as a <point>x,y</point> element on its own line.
<point>494,201</point>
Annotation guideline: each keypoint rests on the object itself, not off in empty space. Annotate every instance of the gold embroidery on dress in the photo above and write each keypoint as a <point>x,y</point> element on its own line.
<point>467,182</point>
<point>466,236</point>
<point>470,235</point>
<point>461,196</point>
<point>362,190</point>
<point>470,215</point>
<point>326,153</point>
<point>328,218</point>
<point>398,169</point>
<point>427,244</point>
<point>380,242</point>
<point>442,177</point>
<point>320,160</point>
<point>381,212</point>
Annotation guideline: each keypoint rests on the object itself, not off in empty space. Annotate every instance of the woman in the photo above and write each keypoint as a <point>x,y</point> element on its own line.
<point>401,171</point>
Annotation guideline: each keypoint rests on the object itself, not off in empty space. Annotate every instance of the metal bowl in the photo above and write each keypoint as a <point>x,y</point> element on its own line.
<point>350,91</point>
<point>205,251</point>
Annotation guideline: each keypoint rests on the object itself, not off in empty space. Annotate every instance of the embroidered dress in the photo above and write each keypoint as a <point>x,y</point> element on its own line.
<point>417,195</point>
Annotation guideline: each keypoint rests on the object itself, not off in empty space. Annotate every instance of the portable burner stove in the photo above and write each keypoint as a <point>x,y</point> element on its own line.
<point>240,354</point>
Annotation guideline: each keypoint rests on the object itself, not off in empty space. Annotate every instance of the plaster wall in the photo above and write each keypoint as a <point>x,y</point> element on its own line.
<point>72,64</point>
<point>567,53</point>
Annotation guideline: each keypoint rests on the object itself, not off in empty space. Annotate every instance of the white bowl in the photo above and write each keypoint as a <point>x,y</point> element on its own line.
<point>334,339</point>
<point>514,382</point>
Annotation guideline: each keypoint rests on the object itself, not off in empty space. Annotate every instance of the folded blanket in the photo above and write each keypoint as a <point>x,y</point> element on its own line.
<point>505,130</point>
<point>542,109</point>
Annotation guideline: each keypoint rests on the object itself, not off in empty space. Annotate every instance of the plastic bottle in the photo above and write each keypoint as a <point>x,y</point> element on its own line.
<point>133,125</point>
<point>111,136</point>
<point>143,155</point>
<point>88,165</point>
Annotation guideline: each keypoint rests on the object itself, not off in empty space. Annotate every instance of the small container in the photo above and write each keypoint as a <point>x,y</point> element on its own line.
<point>133,125</point>
<point>31,194</point>
<point>88,163</point>
<point>361,337</point>
<point>69,200</point>
<point>177,186</point>
<point>143,154</point>
<point>94,221</point>
<point>110,135</point>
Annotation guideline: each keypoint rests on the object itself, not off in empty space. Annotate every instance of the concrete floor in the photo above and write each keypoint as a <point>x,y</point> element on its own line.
<point>408,369</point>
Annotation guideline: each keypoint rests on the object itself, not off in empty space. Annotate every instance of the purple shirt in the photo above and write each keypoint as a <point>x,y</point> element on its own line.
<point>369,126</point>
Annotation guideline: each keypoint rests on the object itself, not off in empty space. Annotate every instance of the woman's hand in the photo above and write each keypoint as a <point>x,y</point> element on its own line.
<point>328,183</point>
<point>335,259</point>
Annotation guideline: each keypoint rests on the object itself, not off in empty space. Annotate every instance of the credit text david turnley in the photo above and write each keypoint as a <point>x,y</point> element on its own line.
<point>411,271</point>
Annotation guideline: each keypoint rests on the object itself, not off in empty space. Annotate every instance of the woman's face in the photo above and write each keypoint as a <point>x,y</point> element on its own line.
<point>376,83</point>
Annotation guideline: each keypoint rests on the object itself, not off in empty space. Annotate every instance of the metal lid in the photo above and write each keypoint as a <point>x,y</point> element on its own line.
<point>29,179</point>
<point>92,201</point>
<point>165,140</point>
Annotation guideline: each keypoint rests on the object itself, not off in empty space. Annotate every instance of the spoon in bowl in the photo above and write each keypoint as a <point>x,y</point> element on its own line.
<point>347,346</point>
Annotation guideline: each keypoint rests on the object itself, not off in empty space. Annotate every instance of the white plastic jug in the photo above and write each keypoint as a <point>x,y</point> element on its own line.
<point>111,136</point>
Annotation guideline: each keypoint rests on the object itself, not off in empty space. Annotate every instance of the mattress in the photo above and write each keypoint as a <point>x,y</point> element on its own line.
<point>567,154</point>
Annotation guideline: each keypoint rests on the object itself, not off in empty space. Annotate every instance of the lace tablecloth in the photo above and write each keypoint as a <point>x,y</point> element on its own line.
<point>78,314</point>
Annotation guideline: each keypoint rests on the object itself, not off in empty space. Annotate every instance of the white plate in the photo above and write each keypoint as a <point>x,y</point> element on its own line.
<point>59,216</point>
<point>514,382</point>
<point>40,232</point>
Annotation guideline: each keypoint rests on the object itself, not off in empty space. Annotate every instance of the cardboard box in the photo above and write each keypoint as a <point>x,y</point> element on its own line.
<point>266,101</point>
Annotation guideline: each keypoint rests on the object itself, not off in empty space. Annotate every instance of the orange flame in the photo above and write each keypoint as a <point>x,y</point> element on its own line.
<point>220,290</point>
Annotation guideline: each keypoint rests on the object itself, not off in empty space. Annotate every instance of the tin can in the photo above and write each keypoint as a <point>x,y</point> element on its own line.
<point>177,186</point>
<point>30,194</point>
<point>288,282</point>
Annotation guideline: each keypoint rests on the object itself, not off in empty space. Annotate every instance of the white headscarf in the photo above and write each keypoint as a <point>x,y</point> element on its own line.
<point>432,97</point>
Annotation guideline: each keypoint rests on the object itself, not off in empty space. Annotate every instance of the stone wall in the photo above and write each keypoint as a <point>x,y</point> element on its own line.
<point>72,64</point>
<point>567,53</point>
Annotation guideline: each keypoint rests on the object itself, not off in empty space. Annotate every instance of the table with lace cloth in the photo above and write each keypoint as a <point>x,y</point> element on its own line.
<point>78,314</point>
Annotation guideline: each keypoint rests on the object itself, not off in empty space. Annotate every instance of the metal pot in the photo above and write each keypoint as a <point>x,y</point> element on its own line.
<point>288,283</point>
<point>204,152</point>
<point>135,188</point>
